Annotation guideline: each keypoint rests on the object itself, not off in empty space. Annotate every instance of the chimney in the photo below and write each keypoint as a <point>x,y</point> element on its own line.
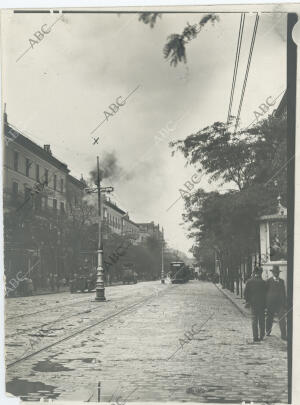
<point>83,181</point>
<point>47,149</point>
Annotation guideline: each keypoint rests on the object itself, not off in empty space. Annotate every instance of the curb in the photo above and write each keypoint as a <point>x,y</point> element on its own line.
<point>242,311</point>
<point>245,313</point>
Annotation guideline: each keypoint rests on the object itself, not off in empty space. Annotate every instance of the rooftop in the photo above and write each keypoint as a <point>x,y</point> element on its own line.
<point>113,206</point>
<point>19,138</point>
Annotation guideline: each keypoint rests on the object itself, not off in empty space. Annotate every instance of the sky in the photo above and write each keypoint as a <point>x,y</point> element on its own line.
<point>58,91</point>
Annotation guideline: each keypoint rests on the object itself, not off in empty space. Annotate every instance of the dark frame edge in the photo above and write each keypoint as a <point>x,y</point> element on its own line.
<point>292,19</point>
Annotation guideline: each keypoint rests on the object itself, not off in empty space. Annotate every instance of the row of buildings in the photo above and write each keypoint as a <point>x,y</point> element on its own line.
<point>40,197</point>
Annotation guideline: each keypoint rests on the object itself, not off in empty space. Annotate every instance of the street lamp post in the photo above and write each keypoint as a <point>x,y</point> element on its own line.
<point>162,259</point>
<point>100,290</point>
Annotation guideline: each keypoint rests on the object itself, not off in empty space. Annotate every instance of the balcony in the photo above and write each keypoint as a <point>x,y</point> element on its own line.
<point>33,204</point>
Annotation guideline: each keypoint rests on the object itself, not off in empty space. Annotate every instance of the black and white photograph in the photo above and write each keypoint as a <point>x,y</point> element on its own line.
<point>148,188</point>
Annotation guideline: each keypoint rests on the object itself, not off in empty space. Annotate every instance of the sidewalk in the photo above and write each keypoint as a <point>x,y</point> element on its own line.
<point>239,303</point>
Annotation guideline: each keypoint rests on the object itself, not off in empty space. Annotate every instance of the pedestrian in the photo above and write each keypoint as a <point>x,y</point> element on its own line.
<point>56,281</point>
<point>276,302</point>
<point>29,286</point>
<point>255,296</point>
<point>51,279</point>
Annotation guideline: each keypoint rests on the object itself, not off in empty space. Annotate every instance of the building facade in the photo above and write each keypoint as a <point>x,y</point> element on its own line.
<point>34,207</point>
<point>149,229</point>
<point>50,222</point>
<point>29,168</point>
<point>75,193</point>
<point>131,230</point>
<point>112,216</point>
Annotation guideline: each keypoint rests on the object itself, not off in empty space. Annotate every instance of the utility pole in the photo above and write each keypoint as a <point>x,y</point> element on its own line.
<point>100,290</point>
<point>162,259</point>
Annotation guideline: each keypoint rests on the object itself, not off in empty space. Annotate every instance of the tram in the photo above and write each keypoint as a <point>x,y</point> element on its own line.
<point>179,273</point>
<point>129,275</point>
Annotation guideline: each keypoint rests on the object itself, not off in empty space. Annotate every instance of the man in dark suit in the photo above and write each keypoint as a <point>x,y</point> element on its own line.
<point>255,296</point>
<point>276,302</point>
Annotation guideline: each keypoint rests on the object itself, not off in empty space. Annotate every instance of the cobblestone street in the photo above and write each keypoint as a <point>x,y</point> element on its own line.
<point>134,351</point>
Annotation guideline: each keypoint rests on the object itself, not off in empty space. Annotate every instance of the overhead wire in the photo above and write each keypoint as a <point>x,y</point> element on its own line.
<point>236,63</point>
<point>247,71</point>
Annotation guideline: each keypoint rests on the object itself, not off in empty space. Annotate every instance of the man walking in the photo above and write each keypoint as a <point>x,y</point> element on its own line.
<point>255,296</point>
<point>276,302</point>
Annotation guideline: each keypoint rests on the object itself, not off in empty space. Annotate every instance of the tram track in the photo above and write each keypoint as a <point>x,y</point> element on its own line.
<point>59,319</point>
<point>69,303</point>
<point>85,328</point>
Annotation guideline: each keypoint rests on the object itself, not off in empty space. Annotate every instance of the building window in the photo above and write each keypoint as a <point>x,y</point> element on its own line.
<point>16,161</point>
<point>54,181</point>
<point>15,189</point>
<point>37,172</point>
<point>27,167</point>
<point>62,185</point>
<point>62,207</point>
<point>46,176</point>
<point>54,204</point>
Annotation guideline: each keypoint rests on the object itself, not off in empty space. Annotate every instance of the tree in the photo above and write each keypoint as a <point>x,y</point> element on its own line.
<point>243,158</point>
<point>224,225</point>
<point>175,48</point>
<point>149,18</point>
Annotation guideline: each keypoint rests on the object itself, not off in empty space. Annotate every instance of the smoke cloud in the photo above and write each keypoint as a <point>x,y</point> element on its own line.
<point>109,168</point>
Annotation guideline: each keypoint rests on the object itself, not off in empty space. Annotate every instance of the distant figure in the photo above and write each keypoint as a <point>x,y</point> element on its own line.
<point>91,282</point>
<point>26,287</point>
<point>73,284</point>
<point>56,281</point>
<point>276,302</point>
<point>29,286</point>
<point>255,296</point>
<point>51,279</point>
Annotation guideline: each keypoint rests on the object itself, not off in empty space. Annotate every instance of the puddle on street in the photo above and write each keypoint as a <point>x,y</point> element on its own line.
<point>13,344</point>
<point>47,366</point>
<point>86,360</point>
<point>28,390</point>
